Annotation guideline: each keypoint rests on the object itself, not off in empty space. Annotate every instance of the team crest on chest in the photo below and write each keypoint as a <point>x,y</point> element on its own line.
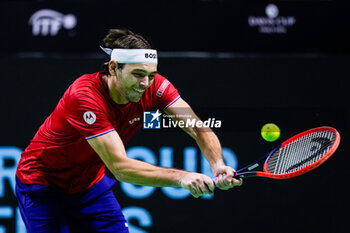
<point>133,120</point>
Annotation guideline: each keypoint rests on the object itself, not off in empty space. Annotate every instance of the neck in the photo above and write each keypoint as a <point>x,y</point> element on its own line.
<point>114,93</point>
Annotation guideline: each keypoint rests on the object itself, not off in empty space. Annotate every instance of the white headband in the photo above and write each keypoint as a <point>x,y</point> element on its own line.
<point>148,56</point>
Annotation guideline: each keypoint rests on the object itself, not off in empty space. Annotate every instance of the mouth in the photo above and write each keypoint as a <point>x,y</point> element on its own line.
<point>138,90</point>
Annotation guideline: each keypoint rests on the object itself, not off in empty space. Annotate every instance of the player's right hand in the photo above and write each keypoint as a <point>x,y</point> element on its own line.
<point>197,184</point>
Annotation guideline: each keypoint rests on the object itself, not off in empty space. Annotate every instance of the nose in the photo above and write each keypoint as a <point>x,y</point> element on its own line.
<point>145,81</point>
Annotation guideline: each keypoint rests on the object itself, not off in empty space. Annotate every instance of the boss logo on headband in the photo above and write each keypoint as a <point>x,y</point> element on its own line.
<point>151,55</point>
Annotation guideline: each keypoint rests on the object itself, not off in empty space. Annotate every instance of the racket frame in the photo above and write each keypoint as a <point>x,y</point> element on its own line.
<point>241,173</point>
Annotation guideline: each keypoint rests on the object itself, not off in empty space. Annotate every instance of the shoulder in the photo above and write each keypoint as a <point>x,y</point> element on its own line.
<point>160,84</point>
<point>159,77</point>
<point>86,89</point>
<point>90,83</point>
<point>160,93</point>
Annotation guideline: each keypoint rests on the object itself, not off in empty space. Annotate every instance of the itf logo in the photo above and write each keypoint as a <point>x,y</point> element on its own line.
<point>49,22</point>
<point>151,120</point>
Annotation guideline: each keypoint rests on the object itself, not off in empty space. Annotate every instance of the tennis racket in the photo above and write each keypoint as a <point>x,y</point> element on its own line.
<point>296,156</point>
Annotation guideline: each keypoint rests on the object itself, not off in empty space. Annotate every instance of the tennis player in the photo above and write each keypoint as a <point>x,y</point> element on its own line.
<point>61,184</point>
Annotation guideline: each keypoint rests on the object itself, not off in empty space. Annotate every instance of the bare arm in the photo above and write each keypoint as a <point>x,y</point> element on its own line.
<point>208,143</point>
<point>111,150</point>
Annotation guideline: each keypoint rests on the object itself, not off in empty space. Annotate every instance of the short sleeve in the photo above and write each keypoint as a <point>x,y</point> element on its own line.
<point>165,93</point>
<point>88,115</point>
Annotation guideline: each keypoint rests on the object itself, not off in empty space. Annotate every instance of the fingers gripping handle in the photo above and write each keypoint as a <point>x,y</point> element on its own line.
<point>235,175</point>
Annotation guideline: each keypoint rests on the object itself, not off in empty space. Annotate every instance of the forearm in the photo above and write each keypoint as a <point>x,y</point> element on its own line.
<point>206,139</point>
<point>141,173</point>
<point>210,146</point>
<point>208,143</point>
<point>111,150</point>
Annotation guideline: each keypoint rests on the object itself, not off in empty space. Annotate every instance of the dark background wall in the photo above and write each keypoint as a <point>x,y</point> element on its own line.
<point>297,80</point>
<point>194,25</point>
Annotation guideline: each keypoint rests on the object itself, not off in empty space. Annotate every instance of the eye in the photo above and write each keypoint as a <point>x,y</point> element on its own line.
<point>138,75</point>
<point>151,76</point>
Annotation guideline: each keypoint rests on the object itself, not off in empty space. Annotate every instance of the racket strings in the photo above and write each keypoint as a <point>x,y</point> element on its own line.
<point>301,152</point>
<point>302,156</point>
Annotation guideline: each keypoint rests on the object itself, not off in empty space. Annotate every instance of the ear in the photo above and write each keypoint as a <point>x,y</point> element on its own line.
<point>112,67</point>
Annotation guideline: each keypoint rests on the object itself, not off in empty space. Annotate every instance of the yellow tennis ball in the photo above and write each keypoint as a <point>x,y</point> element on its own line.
<point>270,132</point>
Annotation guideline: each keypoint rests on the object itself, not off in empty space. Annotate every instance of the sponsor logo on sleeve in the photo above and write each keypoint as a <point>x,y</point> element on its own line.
<point>162,88</point>
<point>89,117</point>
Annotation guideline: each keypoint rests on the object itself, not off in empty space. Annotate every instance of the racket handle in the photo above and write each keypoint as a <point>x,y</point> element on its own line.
<point>235,175</point>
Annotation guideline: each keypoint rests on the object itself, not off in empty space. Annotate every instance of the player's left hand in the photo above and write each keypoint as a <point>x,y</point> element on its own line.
<point>224,177</point>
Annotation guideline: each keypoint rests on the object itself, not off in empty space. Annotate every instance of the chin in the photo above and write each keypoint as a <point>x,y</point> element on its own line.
<point>135,100</point>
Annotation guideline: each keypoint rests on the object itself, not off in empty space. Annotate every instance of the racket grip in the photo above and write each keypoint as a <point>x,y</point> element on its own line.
<point>235,175</point>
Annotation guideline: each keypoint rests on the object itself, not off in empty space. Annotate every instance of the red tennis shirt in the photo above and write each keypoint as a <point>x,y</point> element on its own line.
<point>59,155</point>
